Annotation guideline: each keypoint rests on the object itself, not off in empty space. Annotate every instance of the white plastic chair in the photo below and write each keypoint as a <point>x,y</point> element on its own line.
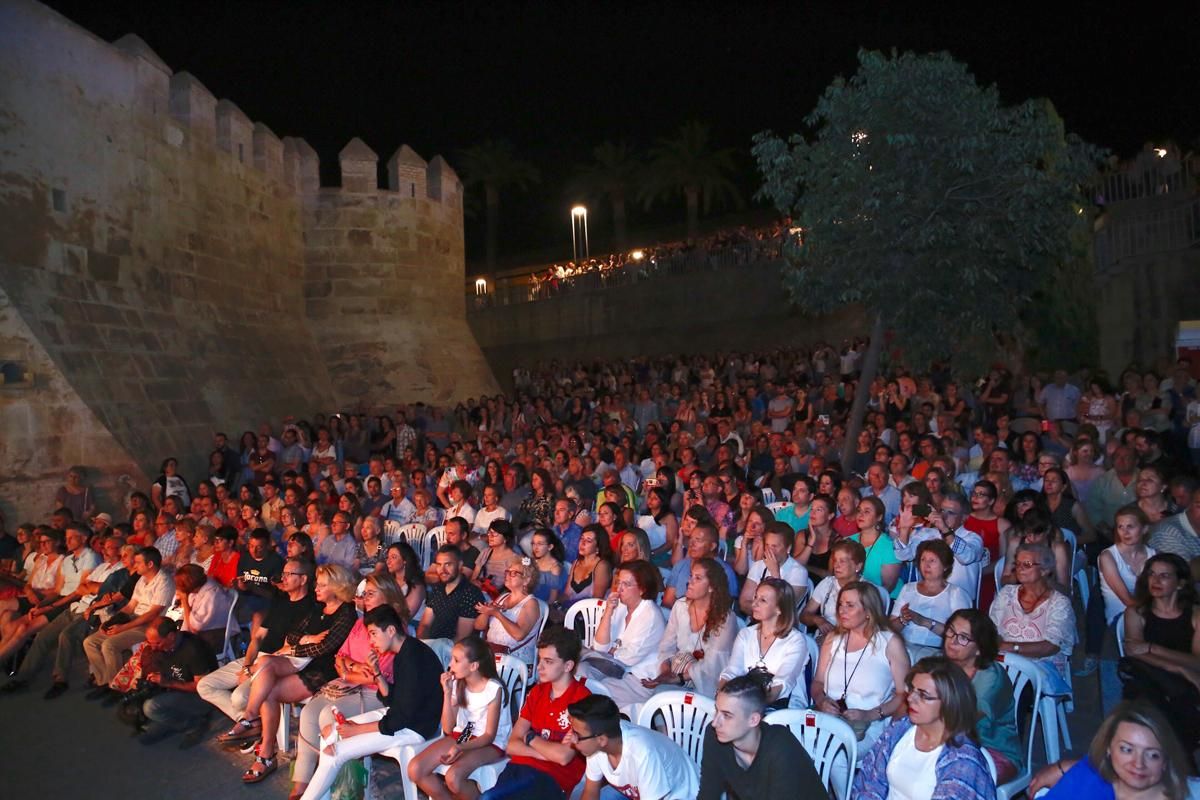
<point>1024,674</point>
<point>391,530</point>
<point>998,573</point>
<point>775,508</point>
<point>441,648</point>
<point>768,497</point>
<point>786,494</point>
<point>434,539</point>
<point>1079,568</point>
<point>591,610</point>
<point>1120,632</point>
<point>687,716</point>
<point>514,674</point>
<point>823,736</point>
<point>1021,671</point>
<point>231,631</point>
<point>414,534</point>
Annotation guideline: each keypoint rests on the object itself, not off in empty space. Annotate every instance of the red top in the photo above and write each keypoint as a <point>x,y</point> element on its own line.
<point>989,531</point>
<point>548,718</point>
<point>224,573</point>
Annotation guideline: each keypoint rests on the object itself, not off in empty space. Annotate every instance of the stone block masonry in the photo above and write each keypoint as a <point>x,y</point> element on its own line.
<point>169,267</point>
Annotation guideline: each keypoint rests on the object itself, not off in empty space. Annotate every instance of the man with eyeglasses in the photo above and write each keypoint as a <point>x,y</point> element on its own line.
<point>946,521</point>
<point>339,546</point>
<point>634,761</point>
<point>229,687</point>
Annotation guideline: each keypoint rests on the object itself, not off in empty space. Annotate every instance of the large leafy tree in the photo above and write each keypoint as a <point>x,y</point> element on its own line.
<point>688,164</point>
<point>943,213</point>
<point>612,174</point>
<point>495,166</point>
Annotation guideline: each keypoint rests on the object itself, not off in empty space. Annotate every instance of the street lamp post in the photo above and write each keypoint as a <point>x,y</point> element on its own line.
<point>579,232</point>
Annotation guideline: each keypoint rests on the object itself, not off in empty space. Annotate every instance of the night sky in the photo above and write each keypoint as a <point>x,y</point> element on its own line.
<point>557,79</point>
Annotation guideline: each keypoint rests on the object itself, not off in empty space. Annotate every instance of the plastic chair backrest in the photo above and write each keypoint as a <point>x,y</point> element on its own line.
<point>768,497</point>
<point>1025,675</point>
<point>442,648</point>
<point>775,508</point>
<point>414,534</point>
<point>1120,626</point>
<point>686,715</point>
<point>231,630</point>
<point>590,609</point>
<point>786,494</point>
<point>823,737</point>
<point>998,573</point>
<point>391,531</point>
<point>514,675</point>
<point>435,538</point>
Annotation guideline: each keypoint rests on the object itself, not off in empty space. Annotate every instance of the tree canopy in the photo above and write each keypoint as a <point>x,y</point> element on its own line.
<point>495,166</point>
<point>687,165</point>
<point>947,215</point>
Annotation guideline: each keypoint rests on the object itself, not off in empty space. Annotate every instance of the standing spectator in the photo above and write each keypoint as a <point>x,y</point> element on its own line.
<point>1059,400</point>
<point>75,495</point>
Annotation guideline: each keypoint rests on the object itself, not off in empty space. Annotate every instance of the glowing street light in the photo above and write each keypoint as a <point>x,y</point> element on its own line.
<point>579,232</point>
<point>1161,152</point>
<point>480,286</point>
<point>637,255</point>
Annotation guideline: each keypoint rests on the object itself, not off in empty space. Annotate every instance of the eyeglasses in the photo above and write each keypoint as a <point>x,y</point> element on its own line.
<point>922,696</point>
<point>293,574</point>
<point>1026,564</point>
<point>950,512</point>
<point>961,639</point>
<point>517,572</point>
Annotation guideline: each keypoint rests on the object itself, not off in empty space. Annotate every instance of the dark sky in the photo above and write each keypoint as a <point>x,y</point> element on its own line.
<point>558,78</point>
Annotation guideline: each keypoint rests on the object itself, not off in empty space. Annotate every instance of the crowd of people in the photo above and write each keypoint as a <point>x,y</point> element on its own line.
<point>373,570</point>
<point>727,247</point>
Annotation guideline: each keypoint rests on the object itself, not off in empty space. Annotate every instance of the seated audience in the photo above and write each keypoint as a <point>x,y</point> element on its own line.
<point>846,565</point>
<point>929,753</point>
<point>591,574</point>
<point>972,642</point>
<point>173,661</point>
<point>813,546</point>
<point>476,722</point>
<point>411,702</point>
<point>541,766</point>
<point>771,650</point>
<point>495,558</point>
<point>920,612</point>
<point>201,606</point>
<point>629,759</point>
<point>625,646</point>
<point>862,669</point>
<point>548,555</point>
<point>400,562</point>
<point>510,622</point>
<point>881,567</point>
<point>744,757</point>
<point>776,562</point>
<point>450,603</point>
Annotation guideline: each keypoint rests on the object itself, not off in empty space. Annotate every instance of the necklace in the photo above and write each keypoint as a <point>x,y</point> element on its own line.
<point>845,665</point>
<point>1036,601</point>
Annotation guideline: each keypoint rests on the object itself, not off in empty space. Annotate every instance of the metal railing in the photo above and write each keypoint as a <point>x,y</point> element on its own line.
<point>1175,228</point>
<point>525,289</point>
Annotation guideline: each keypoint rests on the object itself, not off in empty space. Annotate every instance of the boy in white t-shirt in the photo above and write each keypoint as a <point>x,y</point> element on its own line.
<point>634,761</point>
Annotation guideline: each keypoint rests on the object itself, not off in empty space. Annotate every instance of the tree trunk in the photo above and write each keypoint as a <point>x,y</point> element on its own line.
<point>618,204</point>
<point>492,197</point>
<point>854,423</point>
<point>693,213</point>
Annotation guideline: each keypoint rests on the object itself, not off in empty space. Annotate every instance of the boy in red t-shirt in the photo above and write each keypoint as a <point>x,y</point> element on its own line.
<point>541,766</point>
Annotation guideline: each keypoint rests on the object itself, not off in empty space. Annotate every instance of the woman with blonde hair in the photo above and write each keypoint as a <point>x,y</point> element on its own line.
<point>353,691</point>
<point>772,651</point>
<point>1133,754</point>
<point>296,671</point>
<point>863,666</point>
<point>511,620</point>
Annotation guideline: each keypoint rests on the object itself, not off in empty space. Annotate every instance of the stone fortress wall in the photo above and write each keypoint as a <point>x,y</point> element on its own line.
<point>169,267</point>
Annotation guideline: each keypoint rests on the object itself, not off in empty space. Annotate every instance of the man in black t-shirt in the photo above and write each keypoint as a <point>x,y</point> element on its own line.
<point>745,757</point>
<point>259,568</point>
<point>229,687</point>
<point>449,605</point>
<point>174,661</point>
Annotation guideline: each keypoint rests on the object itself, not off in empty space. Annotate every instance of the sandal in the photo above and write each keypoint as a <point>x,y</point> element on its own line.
<point>260,769</point>
<point>242,729</point>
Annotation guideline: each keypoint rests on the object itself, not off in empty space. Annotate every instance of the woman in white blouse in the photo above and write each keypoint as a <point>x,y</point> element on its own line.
<point>700,632</point>
<point>1034,619</point>
<point>921,610</point>
<point>630,628</point>
<point>772,649</point>
<point>861,673</point>
<point>846,560</point>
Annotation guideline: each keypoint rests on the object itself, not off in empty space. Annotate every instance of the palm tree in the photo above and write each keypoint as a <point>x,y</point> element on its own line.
<point>687,164</point>
<point>613,174</point>
<point>494,166</point>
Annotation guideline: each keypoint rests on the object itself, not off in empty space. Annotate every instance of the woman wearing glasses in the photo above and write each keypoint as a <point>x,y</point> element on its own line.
<point>971,642</point>
<point>511,621</point>
<point>929,754</point>
<point>1034,619</point>
<point>353,691</point>
<point>991,528</point>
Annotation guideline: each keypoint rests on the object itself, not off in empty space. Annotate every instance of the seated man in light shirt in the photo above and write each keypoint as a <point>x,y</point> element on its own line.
<point>777,562</point>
